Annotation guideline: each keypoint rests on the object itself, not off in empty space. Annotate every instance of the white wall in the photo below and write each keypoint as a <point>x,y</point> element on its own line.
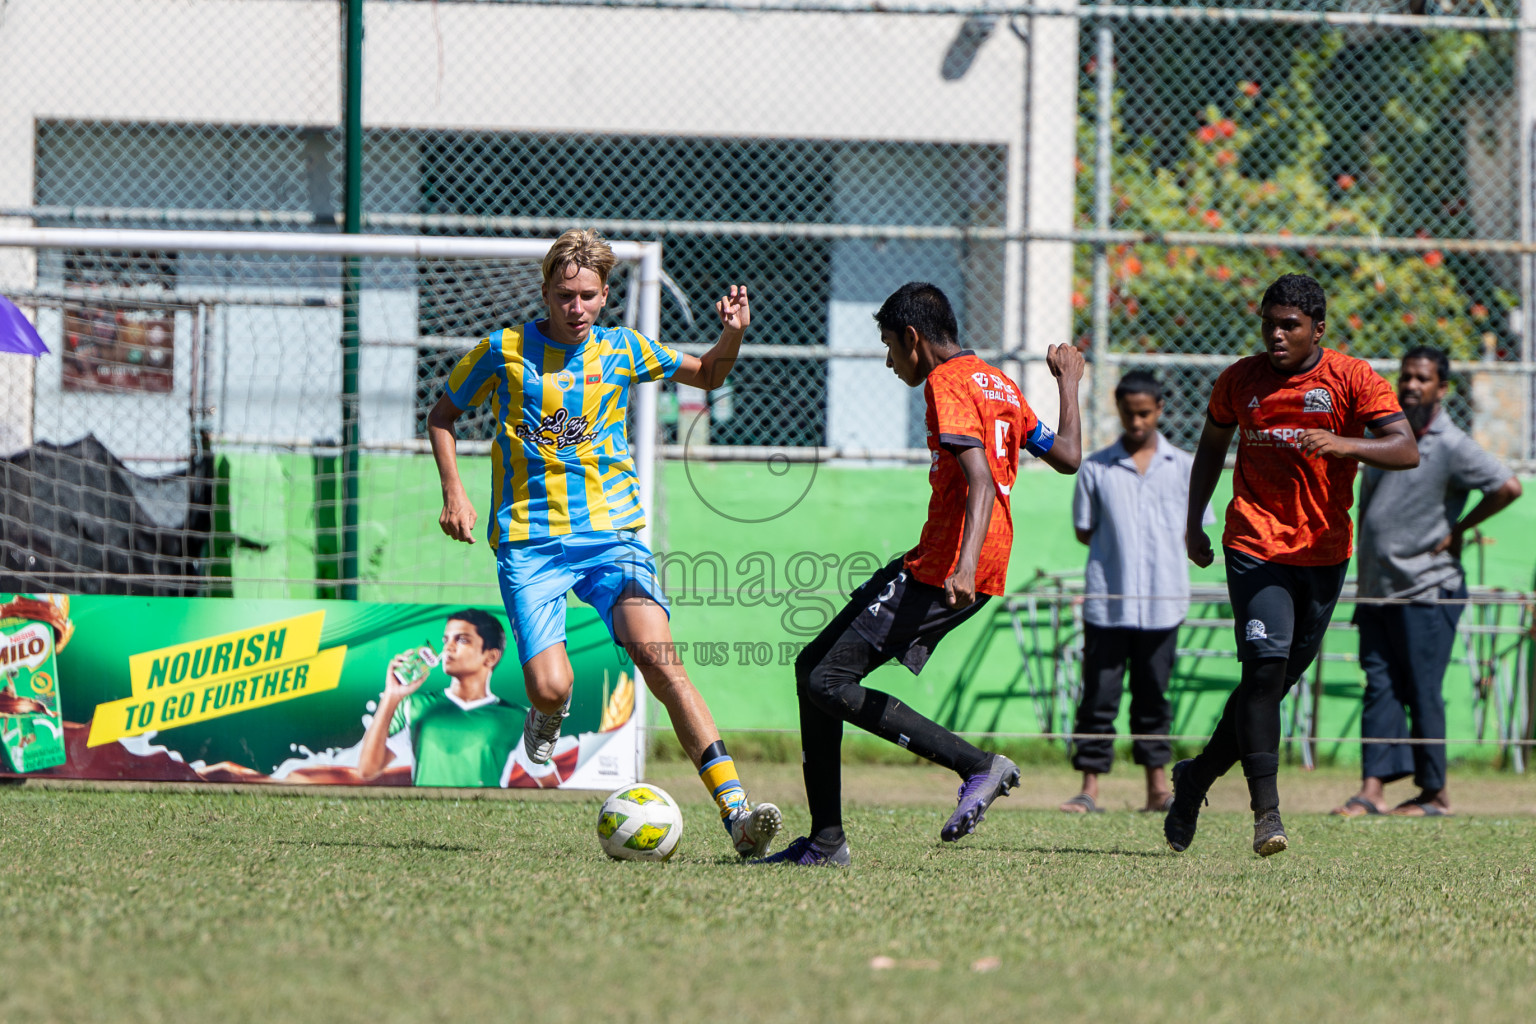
<point>846,77</point>
<point>867,406</point>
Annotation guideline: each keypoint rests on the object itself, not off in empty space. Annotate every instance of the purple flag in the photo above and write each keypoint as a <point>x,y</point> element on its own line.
<point>16,332</point>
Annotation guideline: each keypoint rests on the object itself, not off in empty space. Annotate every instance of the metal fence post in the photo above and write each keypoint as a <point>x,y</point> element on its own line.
<point>1525,51</point>
<point>1013,341</point>
<point>351,283</point>
<point>1103,155</point>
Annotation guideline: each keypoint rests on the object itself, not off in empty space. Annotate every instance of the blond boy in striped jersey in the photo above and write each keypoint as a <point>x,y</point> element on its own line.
<point>566,501</point>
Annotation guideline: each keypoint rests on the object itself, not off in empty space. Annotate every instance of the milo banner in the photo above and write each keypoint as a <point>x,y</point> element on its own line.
<point>32,629</point>
<point>298,692</point>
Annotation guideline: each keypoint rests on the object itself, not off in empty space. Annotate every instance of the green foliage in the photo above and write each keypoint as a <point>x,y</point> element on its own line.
<point>1257,165</point>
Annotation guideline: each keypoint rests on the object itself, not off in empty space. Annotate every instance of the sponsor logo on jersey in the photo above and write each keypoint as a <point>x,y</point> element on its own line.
<point>558,430</point>
<point>1253,403</point>
<point>1283,436</point>
<point>997,389</point>
<point>1317,400</point>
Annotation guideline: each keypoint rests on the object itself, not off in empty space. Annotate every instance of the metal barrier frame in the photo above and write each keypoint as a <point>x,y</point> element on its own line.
<point>1044,619</point>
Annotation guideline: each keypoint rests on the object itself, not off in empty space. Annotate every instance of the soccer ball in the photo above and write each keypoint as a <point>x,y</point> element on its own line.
<point>639,823</point>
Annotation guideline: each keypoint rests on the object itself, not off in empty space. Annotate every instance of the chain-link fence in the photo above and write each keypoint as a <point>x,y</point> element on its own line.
<point>1127,178</point>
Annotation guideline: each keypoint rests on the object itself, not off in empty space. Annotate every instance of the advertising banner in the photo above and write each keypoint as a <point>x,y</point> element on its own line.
<point>31,726</point>
<point>298,692</point>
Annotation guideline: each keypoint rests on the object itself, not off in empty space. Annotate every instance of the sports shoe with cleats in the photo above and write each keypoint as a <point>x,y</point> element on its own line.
<point>752,831</point>
<point>976,794</point>
<point>1184,815</point>
<point>540,731</point>
<point>1269,834</point>
<point>803,852</point>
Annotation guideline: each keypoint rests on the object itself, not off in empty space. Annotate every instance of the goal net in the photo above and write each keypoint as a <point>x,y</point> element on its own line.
<point>190,429</point>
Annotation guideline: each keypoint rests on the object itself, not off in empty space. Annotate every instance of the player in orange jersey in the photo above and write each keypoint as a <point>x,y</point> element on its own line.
<point>1301,413</point>
<point>977,422</point>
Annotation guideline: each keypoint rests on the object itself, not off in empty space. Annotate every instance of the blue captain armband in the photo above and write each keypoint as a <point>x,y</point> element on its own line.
<point>1039,440</point>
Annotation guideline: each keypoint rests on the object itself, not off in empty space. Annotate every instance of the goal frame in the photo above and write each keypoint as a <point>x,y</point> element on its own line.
<point>644,314</point>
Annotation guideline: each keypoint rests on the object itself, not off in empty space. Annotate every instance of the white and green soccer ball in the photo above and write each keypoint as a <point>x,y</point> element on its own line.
<point>639,822</point>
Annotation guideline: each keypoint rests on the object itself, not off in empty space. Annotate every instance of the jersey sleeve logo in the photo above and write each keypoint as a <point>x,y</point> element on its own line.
<point>557,431</point>
<point>1317,400</point>
<point>998,389</point>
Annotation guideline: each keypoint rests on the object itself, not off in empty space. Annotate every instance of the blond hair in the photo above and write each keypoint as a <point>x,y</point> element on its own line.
<point>580,247</point>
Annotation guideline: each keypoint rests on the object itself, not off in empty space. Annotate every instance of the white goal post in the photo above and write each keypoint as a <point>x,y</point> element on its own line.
<point>279,293</point>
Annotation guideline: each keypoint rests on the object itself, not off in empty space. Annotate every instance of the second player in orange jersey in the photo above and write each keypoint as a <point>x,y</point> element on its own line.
<point>1300,413</point>
<point>977,422</point>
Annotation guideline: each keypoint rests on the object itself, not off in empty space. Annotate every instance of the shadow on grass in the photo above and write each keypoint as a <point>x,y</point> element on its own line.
<point>1075,850</point>
<point>408,844</point>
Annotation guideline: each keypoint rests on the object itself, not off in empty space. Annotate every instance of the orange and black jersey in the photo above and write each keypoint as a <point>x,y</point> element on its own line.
<point>972,405</point>
<point>1289,507</point>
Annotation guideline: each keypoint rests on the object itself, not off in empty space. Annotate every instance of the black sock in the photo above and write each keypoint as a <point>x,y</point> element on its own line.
<point>821,744</point>
<point>1258,718</point>
<point>1220,752</point>
<point>831,678</point>
<point>1258,730</point>
<point>1263,790</point>
<point>890,719</point>
<point>829,838</point>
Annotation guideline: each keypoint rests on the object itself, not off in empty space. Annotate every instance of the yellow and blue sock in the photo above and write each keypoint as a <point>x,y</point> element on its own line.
<point>719,774</point>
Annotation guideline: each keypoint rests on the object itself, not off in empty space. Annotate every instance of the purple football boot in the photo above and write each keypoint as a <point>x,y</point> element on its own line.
<point>806,854</point>
<point>976,794</point>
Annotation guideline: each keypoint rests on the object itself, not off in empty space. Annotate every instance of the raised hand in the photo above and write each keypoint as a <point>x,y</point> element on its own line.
<point>734,310</point>
<point>1065,361</point>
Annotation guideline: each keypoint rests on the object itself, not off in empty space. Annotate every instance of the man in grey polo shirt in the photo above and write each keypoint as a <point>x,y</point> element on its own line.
<point>1411,531</point>
<point>1129,508</point>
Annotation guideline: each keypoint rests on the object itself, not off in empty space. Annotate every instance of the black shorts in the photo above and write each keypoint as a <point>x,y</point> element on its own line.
<point>902,617</point>
<point>1281,611</point>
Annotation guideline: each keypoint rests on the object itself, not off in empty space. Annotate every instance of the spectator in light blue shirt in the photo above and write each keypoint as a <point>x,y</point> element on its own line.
<point>1129,508</point>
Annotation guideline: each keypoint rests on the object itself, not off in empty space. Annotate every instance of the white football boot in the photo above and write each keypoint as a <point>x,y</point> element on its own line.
<point>752,830</point>
<point>540,731</point>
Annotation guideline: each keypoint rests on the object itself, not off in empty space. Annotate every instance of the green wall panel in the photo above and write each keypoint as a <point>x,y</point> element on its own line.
<point>756,557</point>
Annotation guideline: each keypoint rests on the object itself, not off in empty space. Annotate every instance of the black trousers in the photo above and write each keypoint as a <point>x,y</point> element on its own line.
<point>1107,654</point>
<point>1404,651</point>
<point>1280,612</point>
<point>906,618</point>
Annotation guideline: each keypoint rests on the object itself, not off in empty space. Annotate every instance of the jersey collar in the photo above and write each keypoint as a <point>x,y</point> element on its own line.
<point>1162,448</point>
<point>1324,355</point>
<point>470,705</point>
<point>532,326</point>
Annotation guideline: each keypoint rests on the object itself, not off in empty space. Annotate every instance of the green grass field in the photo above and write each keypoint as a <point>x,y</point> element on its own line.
<point>181,905</point>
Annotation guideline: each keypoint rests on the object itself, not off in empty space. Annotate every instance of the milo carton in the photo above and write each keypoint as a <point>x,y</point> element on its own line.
<point>31,726</point>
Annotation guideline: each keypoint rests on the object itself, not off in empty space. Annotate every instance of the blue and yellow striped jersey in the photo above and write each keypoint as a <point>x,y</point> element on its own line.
<point>560,458</point>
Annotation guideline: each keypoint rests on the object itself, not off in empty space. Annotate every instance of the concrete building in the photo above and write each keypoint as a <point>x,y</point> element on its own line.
<point>835,119</point>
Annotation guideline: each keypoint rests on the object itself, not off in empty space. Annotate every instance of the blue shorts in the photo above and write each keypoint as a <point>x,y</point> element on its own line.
<point>536,574</point>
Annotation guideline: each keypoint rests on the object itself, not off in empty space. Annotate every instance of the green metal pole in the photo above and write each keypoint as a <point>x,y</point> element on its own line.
<point>351,282</point>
